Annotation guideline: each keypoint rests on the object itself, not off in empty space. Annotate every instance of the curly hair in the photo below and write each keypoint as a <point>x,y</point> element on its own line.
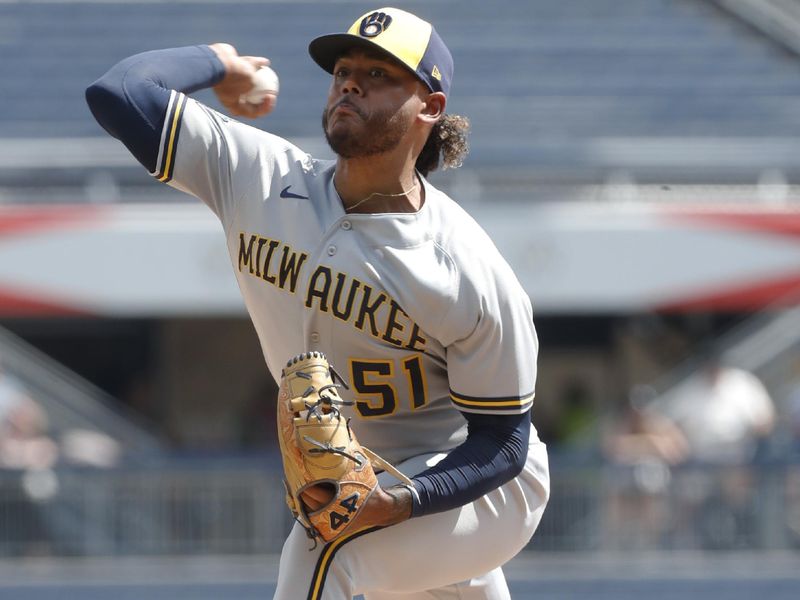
<point>447,142</point>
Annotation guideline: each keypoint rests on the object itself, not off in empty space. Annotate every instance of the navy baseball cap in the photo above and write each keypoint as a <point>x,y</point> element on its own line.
<point>405,37</point>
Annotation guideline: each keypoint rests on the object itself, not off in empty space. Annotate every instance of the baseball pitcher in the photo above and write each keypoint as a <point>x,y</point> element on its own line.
<point>403,343</point>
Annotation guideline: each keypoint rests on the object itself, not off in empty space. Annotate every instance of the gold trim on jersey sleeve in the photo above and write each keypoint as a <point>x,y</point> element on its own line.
<point>516,404</point>
<point>169,139</point>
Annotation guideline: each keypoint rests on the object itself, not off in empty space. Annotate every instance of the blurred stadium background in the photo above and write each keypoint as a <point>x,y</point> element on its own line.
<point>638,163</point>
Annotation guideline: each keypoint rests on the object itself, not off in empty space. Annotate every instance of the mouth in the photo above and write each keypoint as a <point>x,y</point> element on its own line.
<point>345,108</point>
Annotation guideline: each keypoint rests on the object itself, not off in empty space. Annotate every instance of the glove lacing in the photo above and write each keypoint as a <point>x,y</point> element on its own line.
<point>326,404</point>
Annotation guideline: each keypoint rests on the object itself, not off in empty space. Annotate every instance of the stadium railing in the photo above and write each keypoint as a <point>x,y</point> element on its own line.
<point>236,507</point>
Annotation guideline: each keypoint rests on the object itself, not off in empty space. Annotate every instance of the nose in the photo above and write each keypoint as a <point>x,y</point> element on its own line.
<point>350,86</point>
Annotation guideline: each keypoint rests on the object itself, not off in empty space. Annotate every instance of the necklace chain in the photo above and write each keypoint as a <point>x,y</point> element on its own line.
<point>403,193</point>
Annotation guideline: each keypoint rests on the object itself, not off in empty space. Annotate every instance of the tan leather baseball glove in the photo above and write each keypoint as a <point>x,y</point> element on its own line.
<point>320,451</point>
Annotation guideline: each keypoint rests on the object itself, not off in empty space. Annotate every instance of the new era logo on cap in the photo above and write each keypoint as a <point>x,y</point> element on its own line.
<point>407,38</point>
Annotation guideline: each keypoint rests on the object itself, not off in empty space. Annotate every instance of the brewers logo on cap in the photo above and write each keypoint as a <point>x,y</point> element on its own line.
<point>374,24</point>
<point>405,37</point>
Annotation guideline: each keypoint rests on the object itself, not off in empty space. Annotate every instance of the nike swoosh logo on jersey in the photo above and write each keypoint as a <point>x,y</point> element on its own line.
<point>285,193</point>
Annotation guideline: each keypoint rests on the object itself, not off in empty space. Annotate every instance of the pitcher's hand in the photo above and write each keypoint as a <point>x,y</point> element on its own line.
<point>238,80</point>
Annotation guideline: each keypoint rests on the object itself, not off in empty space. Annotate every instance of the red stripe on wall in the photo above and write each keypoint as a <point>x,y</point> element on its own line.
<point>16,304</point>
<point>16,220</point>
<point>785,222</point>
<point>773,293</point>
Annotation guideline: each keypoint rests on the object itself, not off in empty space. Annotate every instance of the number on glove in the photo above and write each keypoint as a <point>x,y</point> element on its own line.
<point>351,504</point>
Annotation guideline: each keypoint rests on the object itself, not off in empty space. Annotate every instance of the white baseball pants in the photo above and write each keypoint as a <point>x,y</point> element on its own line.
<point>454,555</point>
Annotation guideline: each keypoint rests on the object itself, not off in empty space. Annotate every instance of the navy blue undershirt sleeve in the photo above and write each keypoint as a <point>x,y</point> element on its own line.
<point>493,453</point>
<point>130,101</point>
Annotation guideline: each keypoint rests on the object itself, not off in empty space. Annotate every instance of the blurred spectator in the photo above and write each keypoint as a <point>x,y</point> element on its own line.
<point>641,448</point>
<point>27,443</point>
<point>89,448</point>
<point>724,412</point>
<point>792,483</point>
<point>641,435</point>
<point>24,443</point>
<point>576,427</point>
<point>24,446</point>
<point>32,512</point>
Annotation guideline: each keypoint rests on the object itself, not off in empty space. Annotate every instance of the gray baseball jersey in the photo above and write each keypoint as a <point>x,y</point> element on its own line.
<point>418,311</point>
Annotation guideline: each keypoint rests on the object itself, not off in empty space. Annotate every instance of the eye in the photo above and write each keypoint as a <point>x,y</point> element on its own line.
<point>377,73</point>
<point>341,72</point>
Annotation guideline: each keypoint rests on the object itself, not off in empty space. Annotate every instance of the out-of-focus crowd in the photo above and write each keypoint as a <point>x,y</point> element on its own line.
<point>29,442</point>
<point>703,465</point>
<point>682,469</point>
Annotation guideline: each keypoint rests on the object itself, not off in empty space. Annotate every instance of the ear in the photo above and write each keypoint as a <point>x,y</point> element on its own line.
<point>433,107</point>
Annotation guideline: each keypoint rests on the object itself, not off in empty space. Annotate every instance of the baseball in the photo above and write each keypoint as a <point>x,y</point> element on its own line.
<point>266,83</point>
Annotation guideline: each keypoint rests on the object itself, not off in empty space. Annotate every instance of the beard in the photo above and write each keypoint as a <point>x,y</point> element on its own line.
<point>381,132</point>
